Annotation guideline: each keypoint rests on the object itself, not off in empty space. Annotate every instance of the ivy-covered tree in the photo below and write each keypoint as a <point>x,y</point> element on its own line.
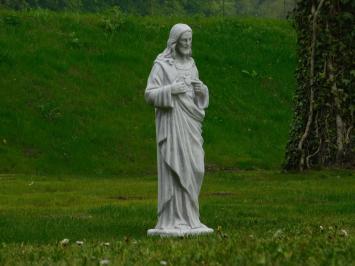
<point>322,133</point>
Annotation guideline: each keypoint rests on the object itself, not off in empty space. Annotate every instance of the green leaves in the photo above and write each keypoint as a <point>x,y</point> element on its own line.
<point>252,73</point>
<point>326,61</point>
<point>11,20</point>
<point>112,20</point>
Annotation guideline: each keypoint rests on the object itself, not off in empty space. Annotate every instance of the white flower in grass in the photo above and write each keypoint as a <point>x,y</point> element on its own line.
<point>344,233</point>
<point>278,233</point>
<point>106,244</point>
<point>104,262</point>
<point>79,243</point>
<point>64,242</point>
<point>321,228</point>
<point>163,262</point>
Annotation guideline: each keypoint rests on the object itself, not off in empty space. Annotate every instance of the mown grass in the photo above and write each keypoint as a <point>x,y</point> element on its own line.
<point>260,217</point>
<point>71,91</point>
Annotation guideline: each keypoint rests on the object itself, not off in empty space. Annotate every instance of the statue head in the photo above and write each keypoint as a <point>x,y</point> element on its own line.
<point>179,43</point>
<point>180,40</point>
<point>183,45</point>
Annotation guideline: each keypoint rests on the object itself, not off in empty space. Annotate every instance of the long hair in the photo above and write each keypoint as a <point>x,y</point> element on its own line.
<point>169,53</point>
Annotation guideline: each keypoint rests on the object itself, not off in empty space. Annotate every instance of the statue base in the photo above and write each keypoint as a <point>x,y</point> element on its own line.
<point>177,232</point>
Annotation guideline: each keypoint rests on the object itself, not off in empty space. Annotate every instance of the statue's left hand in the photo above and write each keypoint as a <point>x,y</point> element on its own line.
<point>197,85</point>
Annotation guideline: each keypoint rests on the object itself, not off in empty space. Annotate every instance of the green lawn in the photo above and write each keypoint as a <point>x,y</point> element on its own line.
<point>74,122</point>
<point>260,217</point>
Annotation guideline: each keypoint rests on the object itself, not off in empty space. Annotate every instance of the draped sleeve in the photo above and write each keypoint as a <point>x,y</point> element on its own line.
<point>156,93</point>
<point>202,99</point>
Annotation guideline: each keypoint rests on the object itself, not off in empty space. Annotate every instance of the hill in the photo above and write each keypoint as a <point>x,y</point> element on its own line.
<point>264,8</point>
<point>72,85</point>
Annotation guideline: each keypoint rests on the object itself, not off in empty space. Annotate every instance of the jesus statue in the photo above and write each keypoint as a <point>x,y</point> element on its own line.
<point>179,98</point>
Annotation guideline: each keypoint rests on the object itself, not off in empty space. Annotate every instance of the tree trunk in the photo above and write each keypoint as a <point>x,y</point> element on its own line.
<point>322,129</point>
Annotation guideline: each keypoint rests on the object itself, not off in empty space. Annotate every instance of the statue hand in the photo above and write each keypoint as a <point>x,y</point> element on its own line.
<point>198,86</point>
<point>178,88</point>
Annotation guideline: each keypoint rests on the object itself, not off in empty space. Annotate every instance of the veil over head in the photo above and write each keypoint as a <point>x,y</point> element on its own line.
<point>176,31</point>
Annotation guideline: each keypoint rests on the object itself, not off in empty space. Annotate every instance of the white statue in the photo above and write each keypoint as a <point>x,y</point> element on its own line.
<point>179,98</point>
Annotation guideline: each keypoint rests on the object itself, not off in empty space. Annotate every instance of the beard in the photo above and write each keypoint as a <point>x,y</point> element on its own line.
<point>184,51</point>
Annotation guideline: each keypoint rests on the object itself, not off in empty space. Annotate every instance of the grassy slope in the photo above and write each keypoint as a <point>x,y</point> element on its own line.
<point>248,207</point>
<point>71,96</point>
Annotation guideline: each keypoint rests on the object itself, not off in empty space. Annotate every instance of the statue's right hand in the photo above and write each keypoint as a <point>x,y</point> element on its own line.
<point>178,88</point>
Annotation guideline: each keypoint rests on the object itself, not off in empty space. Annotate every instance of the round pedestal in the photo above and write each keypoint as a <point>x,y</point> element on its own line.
<point>179,232</point>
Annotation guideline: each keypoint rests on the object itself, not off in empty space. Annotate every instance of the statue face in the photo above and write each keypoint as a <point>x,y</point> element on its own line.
<point>183,46</point>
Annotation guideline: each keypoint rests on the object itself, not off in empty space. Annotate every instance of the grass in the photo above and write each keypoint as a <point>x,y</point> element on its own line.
<point>74,123</point>
<point>72,85</point>
<point>260,217</point>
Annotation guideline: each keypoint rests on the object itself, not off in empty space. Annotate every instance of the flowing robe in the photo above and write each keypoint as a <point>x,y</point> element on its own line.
<point>179,145</point>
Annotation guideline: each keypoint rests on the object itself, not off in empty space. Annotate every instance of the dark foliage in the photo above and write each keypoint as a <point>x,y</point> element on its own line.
<point>322,133</point>
<point>264,8</point>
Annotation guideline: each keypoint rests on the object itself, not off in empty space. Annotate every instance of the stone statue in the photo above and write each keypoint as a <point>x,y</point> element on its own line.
<point>179,98</point>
